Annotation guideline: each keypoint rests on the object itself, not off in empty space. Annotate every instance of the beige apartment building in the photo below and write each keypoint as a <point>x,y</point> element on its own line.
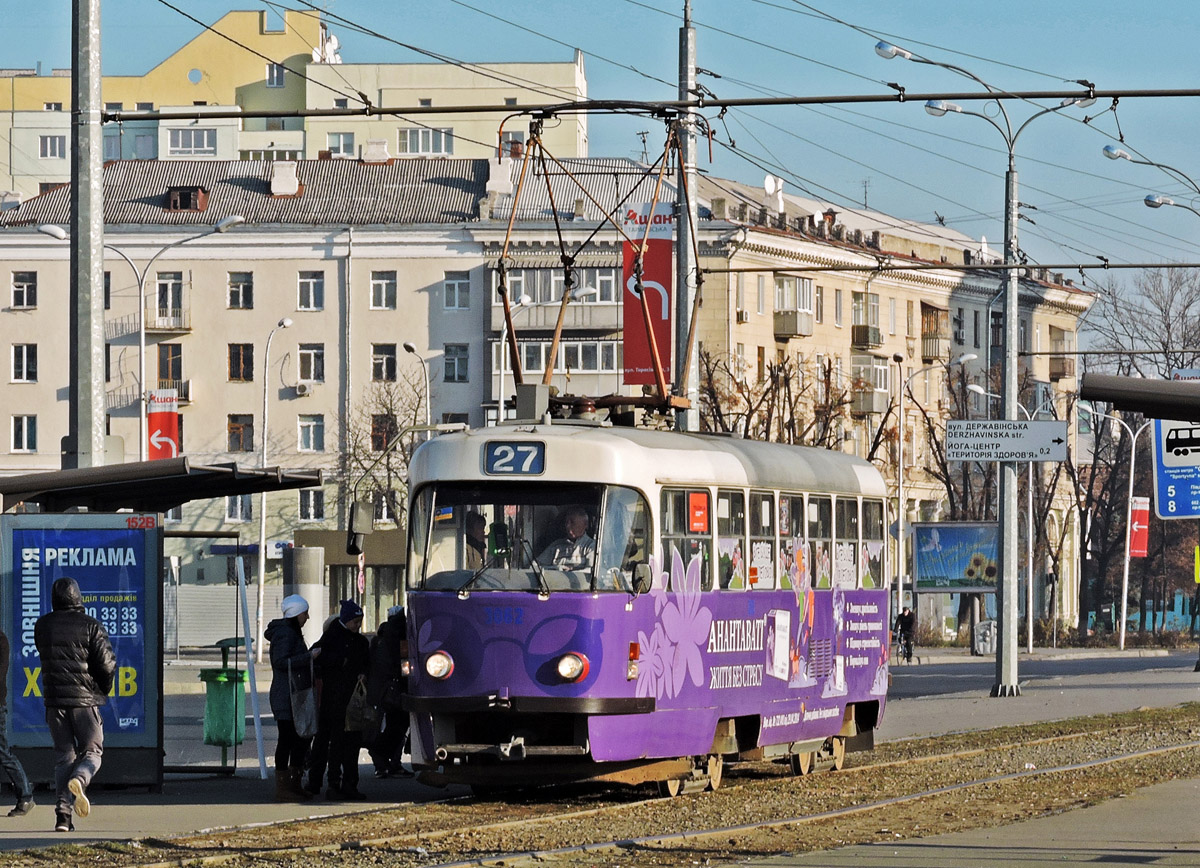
<point>287,64</point>
<point>364,257</point>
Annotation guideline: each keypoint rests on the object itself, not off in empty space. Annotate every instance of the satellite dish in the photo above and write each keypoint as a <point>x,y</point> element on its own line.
<point>771,184</point>
<point>332,43</point>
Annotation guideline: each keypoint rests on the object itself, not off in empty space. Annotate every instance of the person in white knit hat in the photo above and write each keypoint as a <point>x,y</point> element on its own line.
<point>289,652</point>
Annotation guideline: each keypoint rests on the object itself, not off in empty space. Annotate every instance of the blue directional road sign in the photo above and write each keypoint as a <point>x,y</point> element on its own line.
<point>1176,469</point>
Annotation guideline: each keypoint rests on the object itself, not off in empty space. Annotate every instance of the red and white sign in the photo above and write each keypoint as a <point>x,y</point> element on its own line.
<point>162,424</point>
<point>1139,527</point>
<point>658,272</point>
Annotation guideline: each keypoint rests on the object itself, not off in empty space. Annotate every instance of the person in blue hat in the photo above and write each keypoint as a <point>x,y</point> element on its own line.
<point>344,658</point>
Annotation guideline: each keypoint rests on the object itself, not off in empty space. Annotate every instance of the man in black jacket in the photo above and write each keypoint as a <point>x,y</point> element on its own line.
<point>8,761</point>
<point>78,666</point>
<point>344,656</point>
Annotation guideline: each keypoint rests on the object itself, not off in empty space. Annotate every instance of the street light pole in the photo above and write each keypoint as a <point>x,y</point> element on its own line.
<point>140,274</point>
<point>1133,436</point>
<point>262,500</point>
<point>1006,649</point>
<point>410,347</point>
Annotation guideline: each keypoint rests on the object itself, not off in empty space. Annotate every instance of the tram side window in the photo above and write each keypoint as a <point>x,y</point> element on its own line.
<point>624,538</point>
<point>845,574</point>
<point>872,546</point>
<point>418,526</point>
<point>793,561</point>
<point>687,531</point>
<point>731,535</point>
<point>820,539</point>
<point>762,541</point>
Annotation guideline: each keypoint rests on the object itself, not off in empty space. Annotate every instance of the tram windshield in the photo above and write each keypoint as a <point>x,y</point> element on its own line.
<point>495,536</point>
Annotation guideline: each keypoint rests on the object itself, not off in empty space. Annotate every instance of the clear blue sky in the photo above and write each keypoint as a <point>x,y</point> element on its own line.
<point>914,165</point>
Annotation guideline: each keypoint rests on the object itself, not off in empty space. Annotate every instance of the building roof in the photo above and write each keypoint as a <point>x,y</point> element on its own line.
<point>409,191</point>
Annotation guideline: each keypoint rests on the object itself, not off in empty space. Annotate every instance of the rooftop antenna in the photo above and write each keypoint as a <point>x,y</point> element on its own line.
<point>641,134</point>
<point>866,186</point>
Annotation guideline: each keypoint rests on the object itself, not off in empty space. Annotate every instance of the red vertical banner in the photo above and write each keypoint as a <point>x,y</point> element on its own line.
<point>658,274</point>
<point>1139,527</point>
<point>162,424</point>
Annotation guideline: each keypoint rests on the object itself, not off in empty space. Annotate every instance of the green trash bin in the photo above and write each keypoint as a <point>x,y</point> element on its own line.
<point>224,706</point>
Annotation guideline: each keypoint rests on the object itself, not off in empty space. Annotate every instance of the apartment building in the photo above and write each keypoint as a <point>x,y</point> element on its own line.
<point>223,70</point>
<point>386,273</point>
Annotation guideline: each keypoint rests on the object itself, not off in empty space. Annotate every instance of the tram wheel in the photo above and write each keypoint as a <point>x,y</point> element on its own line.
<point>802,763</point>
<point>670,789</point>
<point>716,770</point>
<point>837,750</point>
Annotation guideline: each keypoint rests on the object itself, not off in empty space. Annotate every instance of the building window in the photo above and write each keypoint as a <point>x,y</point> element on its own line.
<point>512,144</point>
<point>275,73</point>
<point>241,433</point>
<point>312,363</point>
<point>241,363</point>
<point>145,147</point>
<point>762,294</point>
<point>908,319</point>
<point>145,106</point>
<point>546,284</point>
<point>311,432</point>
<point>425,102</point>
<point>383,363</point>
<point>975,328</point>
<point>112,147</point>
<point>383,429</point>
<point>52,106</point>
<point>340,144</point>
<point>837,308</point>
<point>170,366</point>
<point>312,504</point>
<point>107,365</point>
<point>24,363</point>
<point>192,142</point>
<point>114,106</point>
<point>819,304</point>
<point>341,102</point>
<point>456,418</point>
<point>456,363</point>
<point>426,142</point>
<point>892,316</point>
<point>740,293</point>
<point>53,147</point>
<point>997,328</point>
<point>241,290</point>
<point>457,290</point>
<point>383,290</point>
<point>238,507</point>
<point>107,290</point>
<point>24,289</point>
<point>24,433</point>
<point>174,515</point>
<point>864,309</point>
<point>311,291</point>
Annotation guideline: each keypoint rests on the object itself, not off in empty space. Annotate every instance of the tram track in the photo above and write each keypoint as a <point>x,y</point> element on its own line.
<point>900,778</point>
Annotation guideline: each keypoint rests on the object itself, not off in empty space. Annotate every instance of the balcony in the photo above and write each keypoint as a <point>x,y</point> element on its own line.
<point>868,401</point>
<point>865,337</point>
<point>935,348</point>
<point>174,319</point>
<point>1061,367</point>
<point>793,324</point>
<point>183,389</point>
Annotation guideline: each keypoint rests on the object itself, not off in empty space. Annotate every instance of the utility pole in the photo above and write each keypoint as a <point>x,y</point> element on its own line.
<point>686,216</point>
<point>84,444</point>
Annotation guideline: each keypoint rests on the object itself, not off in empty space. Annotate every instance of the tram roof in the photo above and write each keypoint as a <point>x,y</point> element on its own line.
<point>589,453</point>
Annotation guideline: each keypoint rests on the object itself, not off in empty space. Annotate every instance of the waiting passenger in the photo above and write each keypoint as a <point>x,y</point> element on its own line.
<point>575,550</point>
<point>475,549</point>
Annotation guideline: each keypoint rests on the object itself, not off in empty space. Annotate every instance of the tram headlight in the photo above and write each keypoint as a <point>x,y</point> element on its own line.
<point>573,667</point>
<point>439,665</point>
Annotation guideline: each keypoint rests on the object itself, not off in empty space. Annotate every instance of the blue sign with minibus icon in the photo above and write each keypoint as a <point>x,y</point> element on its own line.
<point>1176,469</point>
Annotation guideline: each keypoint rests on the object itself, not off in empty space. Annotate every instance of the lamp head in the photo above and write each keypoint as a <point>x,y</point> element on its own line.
<point>227,223</point>
<point>889,52</point>
<point>897,358</point>
<point>583,292</point>
<point>1157,200</point>
<point>285,323</point>
<point>53,231</point>
<point>976,389</point>
<point>1081,101</point>
<point>964,358</point>
<point>1115,153</point>
<point>524,300</point>
<point>939,107</point>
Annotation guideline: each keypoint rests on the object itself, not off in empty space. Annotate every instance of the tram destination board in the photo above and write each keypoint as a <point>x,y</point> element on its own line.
<point>1005,440</point>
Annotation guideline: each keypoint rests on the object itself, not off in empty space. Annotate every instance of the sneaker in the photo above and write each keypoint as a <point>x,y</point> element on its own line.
<point>63,823</point>
<point>82,806</point>
<point>24,806</point>
<point>382,773</point>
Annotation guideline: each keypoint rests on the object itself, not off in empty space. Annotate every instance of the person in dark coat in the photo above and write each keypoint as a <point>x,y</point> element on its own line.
<point>386,683</point>
<point>345,655</point>
<point>78,666</point>
<point>8,761</point>
<point>289,652</point>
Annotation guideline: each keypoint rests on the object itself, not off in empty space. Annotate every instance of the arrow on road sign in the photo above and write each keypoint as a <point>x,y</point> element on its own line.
<point>159,440</point>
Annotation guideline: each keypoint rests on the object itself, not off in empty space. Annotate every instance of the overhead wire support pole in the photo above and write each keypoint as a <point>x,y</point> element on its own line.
<point>686,377</point>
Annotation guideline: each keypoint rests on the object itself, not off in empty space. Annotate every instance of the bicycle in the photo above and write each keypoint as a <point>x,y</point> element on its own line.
<point>904,647</point>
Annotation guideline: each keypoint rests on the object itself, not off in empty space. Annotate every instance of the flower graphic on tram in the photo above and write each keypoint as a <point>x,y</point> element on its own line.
<point>671,653</point>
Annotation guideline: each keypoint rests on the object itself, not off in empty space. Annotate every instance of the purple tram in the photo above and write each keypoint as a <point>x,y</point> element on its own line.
<point>589,602</point>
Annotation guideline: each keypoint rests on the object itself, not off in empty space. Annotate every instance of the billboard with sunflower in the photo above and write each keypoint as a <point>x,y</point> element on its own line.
<point>956,557</point>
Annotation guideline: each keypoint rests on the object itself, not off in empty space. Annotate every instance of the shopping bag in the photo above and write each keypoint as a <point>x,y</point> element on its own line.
<point>360,713</point>
<point>304,699</point>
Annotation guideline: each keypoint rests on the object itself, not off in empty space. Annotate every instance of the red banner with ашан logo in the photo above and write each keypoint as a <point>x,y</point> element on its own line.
<point>658,275</point>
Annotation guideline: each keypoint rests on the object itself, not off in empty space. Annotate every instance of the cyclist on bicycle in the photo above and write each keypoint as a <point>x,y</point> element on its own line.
<point>905,624</point>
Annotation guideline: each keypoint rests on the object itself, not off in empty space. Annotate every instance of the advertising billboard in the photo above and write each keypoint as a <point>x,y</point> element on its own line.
<point>956,557</point>
<point>658,270</point>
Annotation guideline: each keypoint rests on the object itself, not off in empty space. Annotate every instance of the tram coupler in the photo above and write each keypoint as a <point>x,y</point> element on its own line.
<point>514,750</point>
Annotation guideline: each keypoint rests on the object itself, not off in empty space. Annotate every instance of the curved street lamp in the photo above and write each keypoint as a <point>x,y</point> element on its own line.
<point>221,226</point>
<point>1006,657</point>
<point>410,347</point>
<point>262,499</point>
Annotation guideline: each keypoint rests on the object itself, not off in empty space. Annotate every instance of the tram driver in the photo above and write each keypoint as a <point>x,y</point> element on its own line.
<point>575,550</point>
<point>475,541</point>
